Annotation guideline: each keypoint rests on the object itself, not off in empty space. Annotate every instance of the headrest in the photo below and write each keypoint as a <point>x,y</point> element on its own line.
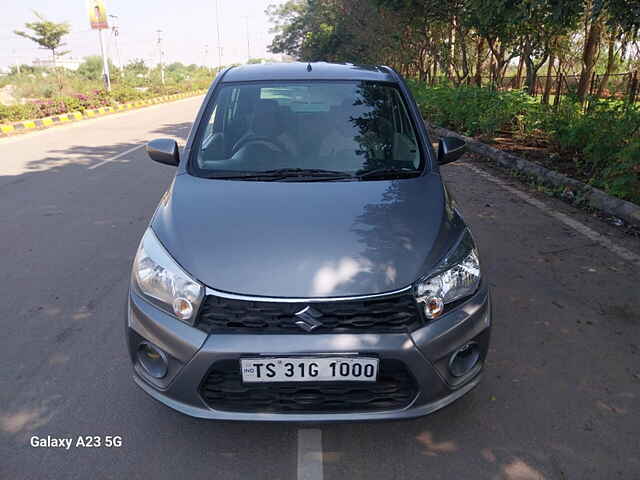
<point>267,121</point>
<point>267,106</point>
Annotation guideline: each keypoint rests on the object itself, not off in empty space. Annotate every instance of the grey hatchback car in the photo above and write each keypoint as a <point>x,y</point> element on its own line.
<point>306,262</point>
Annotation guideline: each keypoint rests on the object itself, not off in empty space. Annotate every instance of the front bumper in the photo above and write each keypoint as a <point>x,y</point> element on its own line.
<point>425,352</point>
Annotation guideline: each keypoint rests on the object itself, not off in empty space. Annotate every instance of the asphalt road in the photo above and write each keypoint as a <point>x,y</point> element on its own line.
<point>560,398</point>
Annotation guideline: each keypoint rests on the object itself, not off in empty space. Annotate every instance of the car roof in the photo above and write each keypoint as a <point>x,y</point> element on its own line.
<point>309,71</point>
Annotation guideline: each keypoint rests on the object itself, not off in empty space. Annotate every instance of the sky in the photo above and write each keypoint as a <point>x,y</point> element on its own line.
<point>188,30</point>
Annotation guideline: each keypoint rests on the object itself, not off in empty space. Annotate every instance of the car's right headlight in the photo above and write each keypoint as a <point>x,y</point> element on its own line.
<point>457,276</point>
<point>158,278</point>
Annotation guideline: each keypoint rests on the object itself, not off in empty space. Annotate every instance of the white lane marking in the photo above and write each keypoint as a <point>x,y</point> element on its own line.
<point>566,219</point>
<point>121,154</point>
<point>310,454</point>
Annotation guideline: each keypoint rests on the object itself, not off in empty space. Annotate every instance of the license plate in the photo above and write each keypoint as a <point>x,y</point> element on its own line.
<point>309,369</point>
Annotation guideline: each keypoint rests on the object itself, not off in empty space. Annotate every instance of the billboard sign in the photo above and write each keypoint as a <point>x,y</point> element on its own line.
<point>97,14</point>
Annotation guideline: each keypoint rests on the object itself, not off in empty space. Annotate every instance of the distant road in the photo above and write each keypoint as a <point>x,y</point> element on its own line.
<point>560,398</point>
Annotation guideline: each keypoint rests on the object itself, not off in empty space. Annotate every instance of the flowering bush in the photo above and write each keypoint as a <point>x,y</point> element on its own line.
<point>48,108</point>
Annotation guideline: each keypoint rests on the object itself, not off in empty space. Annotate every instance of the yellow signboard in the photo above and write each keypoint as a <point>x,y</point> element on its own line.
<point>97,14</point>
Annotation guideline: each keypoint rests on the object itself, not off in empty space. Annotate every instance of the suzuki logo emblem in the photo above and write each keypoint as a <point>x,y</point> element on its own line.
<point>308,319</point>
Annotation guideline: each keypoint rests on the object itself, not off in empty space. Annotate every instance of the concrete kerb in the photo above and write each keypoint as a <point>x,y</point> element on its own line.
<point>596,198</point>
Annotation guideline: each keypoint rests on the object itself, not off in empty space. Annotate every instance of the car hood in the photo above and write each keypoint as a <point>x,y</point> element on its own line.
<point>306,239</point>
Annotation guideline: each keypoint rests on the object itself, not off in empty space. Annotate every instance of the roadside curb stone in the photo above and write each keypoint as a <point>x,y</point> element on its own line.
<point>596,198</point>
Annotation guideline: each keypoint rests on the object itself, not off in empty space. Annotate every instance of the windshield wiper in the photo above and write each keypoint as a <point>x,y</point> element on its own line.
<point>282,173</point>
<point>303,172</point>
<point>386,172</point>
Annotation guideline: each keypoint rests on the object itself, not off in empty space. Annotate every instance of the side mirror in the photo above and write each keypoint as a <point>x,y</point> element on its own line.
<point>450,149</point>
<point>164,150</point>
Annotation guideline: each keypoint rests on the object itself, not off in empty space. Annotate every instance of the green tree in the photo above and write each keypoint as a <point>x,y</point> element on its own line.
<point>137,65</point>
<point>330,30</point>
<point>465,40</point>
<point>23,69</point>
<point>47,34</point>
<point>175,67</point>
<point>538,24</point>
<point>91,67</point>
<point>290,27</point>
<point>620,18</point>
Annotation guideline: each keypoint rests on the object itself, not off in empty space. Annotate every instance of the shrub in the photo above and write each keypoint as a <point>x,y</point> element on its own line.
<point>621,177</point>
<point>124,94</point>
<point>73,103</point>
<point>48,108</point>
<point>15,113</point>
<point>471,110</point>
<point>604,142</point>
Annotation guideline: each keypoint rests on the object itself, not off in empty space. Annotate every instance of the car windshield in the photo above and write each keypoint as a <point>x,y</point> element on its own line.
<point>330,129</point>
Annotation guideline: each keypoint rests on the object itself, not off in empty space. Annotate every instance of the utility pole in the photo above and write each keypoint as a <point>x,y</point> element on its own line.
<point>246,19</point>
<point>161,56</point>
<point>218,32</point>
<point>116,33</point>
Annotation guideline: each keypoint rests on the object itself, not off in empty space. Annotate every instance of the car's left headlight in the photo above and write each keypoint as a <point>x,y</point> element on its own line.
<point>158,278</point>
<point>457,276</point>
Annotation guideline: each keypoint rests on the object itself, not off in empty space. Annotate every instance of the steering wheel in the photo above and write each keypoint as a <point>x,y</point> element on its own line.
<point>243,142</point>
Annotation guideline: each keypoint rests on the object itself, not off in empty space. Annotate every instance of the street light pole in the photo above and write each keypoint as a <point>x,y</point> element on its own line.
<point>116,33</point>
<point>206,56</point>
<point>246,19</point>
<point>161,56</point>
<point>105,62</point>
<point>218,33</point>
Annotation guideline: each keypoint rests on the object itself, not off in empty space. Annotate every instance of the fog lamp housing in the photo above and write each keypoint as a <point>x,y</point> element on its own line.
<point>464,359</point>
<point>152,360</point>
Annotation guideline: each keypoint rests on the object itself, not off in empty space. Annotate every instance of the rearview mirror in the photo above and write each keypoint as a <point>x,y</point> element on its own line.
<point>450,149</point>
<point>164,150</point>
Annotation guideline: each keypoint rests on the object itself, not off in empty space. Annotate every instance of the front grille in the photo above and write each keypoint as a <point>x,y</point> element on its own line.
<point>222,389</point>
<point>389,314</point>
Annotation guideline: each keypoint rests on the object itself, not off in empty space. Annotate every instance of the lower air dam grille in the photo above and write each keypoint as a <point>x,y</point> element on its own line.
<point>223,389</point>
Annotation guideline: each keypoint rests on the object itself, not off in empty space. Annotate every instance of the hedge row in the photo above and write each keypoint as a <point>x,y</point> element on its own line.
<point>602,144</point>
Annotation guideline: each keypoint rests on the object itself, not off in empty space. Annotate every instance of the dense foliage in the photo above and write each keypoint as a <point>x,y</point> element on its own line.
<point>466,40</point>
<point>470,110</point>
<point>603,142</point>
<point>44,95</point>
